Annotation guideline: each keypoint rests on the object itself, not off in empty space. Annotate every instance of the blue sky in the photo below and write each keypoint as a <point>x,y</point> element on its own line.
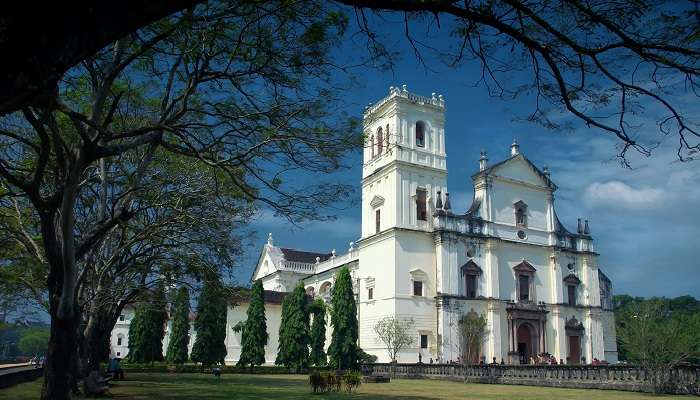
<point>645,220</point>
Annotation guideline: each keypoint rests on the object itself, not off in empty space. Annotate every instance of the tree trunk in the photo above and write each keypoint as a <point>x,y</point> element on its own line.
<point>59,374</point>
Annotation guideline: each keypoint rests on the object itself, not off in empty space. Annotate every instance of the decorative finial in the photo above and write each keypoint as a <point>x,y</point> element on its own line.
<point>333,253</point>
<point>318,260</point>
<point>270,241</point>
<point>438,202</point>
<point>403,88</point>
<point>514,148</point>
<point>483,160</point>
<point>545,171</point>
<point>579,229</point>
<point>352,247</point>
<point>586,229</point>
<point>448,206</point>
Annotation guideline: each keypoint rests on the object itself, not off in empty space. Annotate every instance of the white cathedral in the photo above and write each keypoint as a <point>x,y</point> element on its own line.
<point>508,257</point>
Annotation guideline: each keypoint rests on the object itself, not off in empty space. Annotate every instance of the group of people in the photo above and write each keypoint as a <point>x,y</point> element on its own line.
<point>96,384</point>
<point>38,361</point>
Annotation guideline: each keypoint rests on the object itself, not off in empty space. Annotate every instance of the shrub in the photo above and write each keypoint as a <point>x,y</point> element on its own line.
<point>329,381</point>
<point>318,382</point>
<point>353,380</point>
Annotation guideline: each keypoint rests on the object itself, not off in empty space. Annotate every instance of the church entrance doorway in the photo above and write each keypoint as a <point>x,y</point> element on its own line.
<point>526,344</point>
<point>574,349</point>
<point>526,331</point>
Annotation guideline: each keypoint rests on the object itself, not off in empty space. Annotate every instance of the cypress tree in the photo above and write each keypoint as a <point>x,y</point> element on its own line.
<point>293,350</point>
<point>136,333</point>
<point>180,334</point>
<point>343,351</point>
<point>210,344</point>
<point>254,331</point>
<point>317,356</point>
<point>147,328</point>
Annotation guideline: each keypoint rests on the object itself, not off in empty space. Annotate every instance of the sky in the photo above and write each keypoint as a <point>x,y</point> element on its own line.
<point>645,220</point>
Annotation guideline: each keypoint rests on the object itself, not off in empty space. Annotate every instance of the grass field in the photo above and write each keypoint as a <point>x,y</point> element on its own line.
<point>198,386</point>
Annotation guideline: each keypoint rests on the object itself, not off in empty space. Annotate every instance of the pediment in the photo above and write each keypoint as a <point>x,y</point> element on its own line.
<point>376,201</point>
<point>572,279</point>
<point>519,168</point>
<point>573,324</point>
<point>524,266</point>
<point>471,268</point>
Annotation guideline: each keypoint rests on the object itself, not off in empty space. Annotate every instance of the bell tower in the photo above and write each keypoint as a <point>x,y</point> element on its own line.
<point>404,162</point>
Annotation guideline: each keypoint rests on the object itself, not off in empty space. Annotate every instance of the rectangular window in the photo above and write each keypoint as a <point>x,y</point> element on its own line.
<point>121,317</point>
<point>420,134</point>
<point>119,341</point>
<point>524,283</point>
<point>572,295</point>
<point>377,221</point>
<point>421,207</point>
<point>470,286</point>
<point>417,288</point>
<point>423,341</point>
<point>370,293</point>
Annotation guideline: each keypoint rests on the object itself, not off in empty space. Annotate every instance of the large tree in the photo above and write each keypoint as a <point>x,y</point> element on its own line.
<point>317,354</point>
<point>293,348</point>
<point>210,324</point>
<point>238,88</point>
<point>623,68</point>
<point>254,330</point>
<point>180,332</point>
<point>658,338</point>
<point>343,350</point>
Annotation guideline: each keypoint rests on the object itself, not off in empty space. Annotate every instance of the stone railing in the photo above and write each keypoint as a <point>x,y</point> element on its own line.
<point>297,266</point>
<point>434,100</point>
<point>682,380</point>
<point>458,223</point>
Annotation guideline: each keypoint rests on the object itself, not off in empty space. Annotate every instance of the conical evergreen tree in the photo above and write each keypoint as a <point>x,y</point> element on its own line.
<point>180,334</point>
<point>317,356</point>
<point>137,347</point>
<point>293,350</point>
<point>210,343</point>
<point>254,332</point>
<point>147,328</point>
<point>343,351</point>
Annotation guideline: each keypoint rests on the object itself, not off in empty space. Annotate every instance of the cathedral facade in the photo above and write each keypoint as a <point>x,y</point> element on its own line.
<point>507,258</point>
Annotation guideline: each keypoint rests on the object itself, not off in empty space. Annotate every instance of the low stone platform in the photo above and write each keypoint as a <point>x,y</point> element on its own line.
<point>376,379</point>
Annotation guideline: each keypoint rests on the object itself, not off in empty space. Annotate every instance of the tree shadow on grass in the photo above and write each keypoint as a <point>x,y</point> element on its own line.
<point>233,386</point>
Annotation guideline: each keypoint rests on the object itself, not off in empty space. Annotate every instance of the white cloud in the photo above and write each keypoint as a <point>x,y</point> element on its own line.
<point>616,194</point>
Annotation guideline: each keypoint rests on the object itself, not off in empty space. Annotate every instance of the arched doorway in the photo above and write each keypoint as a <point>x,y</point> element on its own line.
<point>527,342</point>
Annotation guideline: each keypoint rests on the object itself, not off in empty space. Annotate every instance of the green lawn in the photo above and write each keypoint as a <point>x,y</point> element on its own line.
<point>198,386</point>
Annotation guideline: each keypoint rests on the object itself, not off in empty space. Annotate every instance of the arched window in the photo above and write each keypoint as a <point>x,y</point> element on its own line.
<point>325,291</point>
<point>380,141</point>
<point>420,134</point>
<point>120,337</point>
<point>520,213</point>
<point>310,291</point>
<point>372,145</point>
